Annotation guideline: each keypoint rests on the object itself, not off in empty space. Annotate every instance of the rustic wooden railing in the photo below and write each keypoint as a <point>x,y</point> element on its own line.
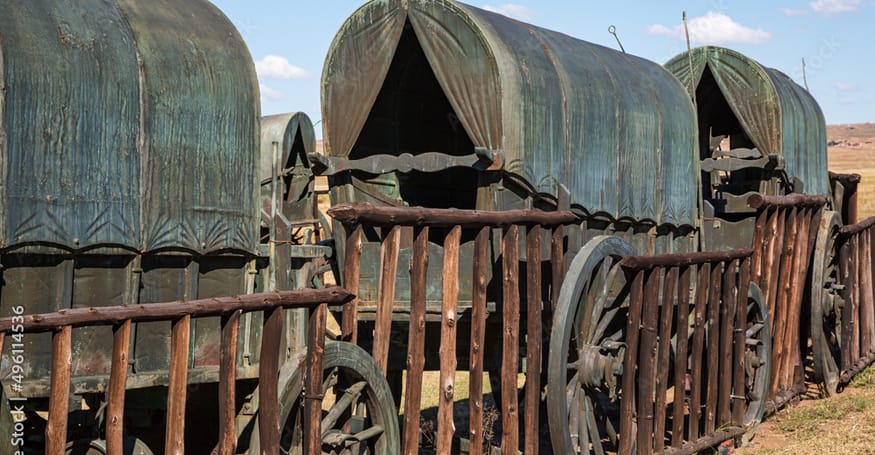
<point>858,313</point>
<point>783,242</point>
<point>392,220</point>
<point>180,313</point>
<point>709,328</point>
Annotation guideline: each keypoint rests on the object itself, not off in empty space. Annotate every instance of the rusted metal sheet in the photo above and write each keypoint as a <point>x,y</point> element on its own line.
<point>564,111</point>
<point>114,131</point>
<point>780,117</point>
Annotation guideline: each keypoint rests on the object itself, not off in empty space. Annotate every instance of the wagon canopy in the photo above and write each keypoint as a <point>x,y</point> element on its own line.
<point>777,115</point>
<point>618,131</point>
<point>126,124</point>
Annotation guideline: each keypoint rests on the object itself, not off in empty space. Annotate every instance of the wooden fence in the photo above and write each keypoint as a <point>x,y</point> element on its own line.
<point>513,224</point>
<point>180,313</point>
<point>701,301</point>
<point>783,243</point>
<point>857,329</point>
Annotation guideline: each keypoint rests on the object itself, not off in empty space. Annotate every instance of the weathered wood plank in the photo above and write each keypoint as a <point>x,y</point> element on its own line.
<point>647,359</point>
<point>115,410</point>
<point>386,296</point>
<point>680,362</point>
<point>739,347</point>
<point>351,277</point>
<point>416,340</point>
<point>174,439</point>
<point>782,303</point>
<point>727,319</point>
<point>680,260</point>
<point>669,301</point>
<point>713,372</point>
<point>423,216</point>
<point>312,393</point>
<point>510,330</point>
<point>227,384</point>
<point>56,428</point>
<point>533,338</point>
<point>696,373</point>
<point>627,401</point>
<point>446,427</point>
<point>216,306</point>
<point>478,332</point>
<point>557,264</point>
<point>268,373</point>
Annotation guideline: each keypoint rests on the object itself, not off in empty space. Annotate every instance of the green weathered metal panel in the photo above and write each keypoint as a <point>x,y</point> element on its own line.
<point>282,129</point>
<point>778,115</point>
<point>70,119</point>
<point>126,124</point>
<point>617,130</point>
<point>200,131</point>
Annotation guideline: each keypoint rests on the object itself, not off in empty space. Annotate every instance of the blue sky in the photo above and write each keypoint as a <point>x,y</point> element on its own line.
<point>289,39</point>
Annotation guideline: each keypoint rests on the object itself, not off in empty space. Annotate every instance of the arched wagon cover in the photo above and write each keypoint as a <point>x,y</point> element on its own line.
<point>296,140</point>
<point>126,124</point>
<point>778,116</point>
<point>285,129</point>
<point>616,130</point>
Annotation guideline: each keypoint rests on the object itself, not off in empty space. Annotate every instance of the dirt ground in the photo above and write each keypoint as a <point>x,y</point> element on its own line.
<point>843,424</point>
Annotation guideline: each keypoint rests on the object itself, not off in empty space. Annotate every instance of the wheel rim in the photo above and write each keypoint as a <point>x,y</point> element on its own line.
<point>358,415</point>
<point>757,361</point>
<point>586,350</point>
<point>826,315</point>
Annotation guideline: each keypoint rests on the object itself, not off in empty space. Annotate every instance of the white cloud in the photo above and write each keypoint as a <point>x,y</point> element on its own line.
<point>714,28</point>
<point>513,10</point>
<point>276,67</point>
<point>794,12</point>
<point>269,94</point>
<point>845,87</point>
<point>835,6</point>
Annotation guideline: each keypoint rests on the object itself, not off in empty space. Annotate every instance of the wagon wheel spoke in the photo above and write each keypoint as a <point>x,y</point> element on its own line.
<point>610,273</point>
<point>344,402</point>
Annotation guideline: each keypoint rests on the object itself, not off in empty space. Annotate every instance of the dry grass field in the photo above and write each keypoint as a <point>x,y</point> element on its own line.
<point>855,153</point>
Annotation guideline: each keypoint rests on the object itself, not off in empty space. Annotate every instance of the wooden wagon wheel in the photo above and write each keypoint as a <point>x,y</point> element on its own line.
<point>352,381</point>
<point>757,361</point>
<point>826,304</point>
<point>586,350</point>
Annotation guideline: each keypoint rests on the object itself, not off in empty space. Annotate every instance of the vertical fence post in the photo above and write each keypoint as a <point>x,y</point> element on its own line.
<point>629,375</point>
<point>510,346</point>
<point>56,429</point>
<point>478,332</point>
<point>696,371</point>
<point>386,297</point>
<point>115,410</point>
<point>680,363</point>
<point>647,359</point>
<point>533,338</point>
<point>450,285</point>
<point>669,299</point>
<point>740,343</point>
<point>416,339</point>
<point>727,318</point>
<point>713,344</point>
<point>557,264</point>
<point>312,394</point>
<point>174,439</point>
<point>268,374</point>
<point>351,269</point>
<point>227,383</point>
